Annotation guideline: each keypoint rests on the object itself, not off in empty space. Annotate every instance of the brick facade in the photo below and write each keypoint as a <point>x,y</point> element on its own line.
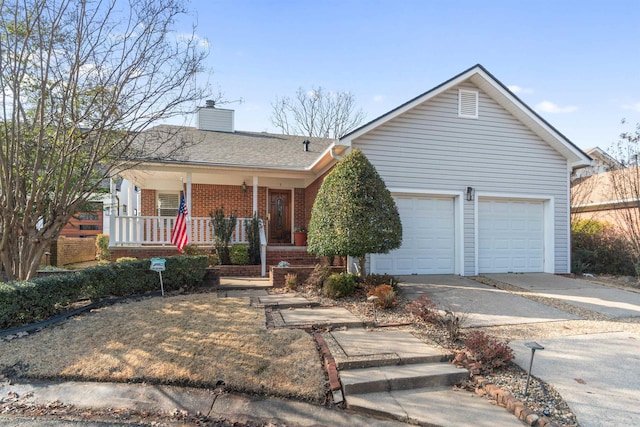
<point>276,274</point>
<point>70,250</point>
<point>86,223</point>
<point>299,209</point>
<point>142,252</point>
<point>148,202</point>
<point>207,197</point>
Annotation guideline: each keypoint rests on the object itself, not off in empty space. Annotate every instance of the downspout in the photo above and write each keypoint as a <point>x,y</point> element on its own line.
<point>333,154</point>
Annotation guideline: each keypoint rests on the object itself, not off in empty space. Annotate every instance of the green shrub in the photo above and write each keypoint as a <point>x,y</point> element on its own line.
<point>126,259</point>
<point>491,352</point>
<point>222,233</point>
<point>252,228</point>
<point>102,247</point>
<point>213,260</point>
<point>43,297</point>
<point>193,250</point>
<point>339,285</point>
<point>239,255</point>
<point>599,249</point>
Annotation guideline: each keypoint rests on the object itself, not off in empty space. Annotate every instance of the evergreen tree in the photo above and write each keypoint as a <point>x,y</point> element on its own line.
<point>354,213</point>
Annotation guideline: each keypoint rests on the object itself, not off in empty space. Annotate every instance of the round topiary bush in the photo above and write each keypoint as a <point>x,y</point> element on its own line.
<point>339,285</point>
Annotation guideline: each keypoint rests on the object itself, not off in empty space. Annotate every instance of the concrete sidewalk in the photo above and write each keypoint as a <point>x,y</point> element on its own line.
<point>158,398</point>
<point>612,302</point>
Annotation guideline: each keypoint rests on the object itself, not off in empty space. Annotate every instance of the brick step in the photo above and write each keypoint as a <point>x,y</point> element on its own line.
<point>400,377</point>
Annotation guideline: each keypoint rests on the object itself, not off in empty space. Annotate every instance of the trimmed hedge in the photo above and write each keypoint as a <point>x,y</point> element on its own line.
<point>43,297</point>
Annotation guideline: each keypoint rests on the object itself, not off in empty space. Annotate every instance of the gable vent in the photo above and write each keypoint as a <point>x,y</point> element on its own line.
<point>468,104</point>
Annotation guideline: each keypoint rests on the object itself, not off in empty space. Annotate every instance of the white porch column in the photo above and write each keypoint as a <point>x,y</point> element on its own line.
<point>188,219</point>
<point>255,194</point>
<point>130,221</point>
<point>112,214</point>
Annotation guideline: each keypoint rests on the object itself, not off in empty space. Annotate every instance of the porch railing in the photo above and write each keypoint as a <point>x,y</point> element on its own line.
<point>156,231</point>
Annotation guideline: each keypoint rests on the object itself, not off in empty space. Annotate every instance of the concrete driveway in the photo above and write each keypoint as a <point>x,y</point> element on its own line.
<point>598,375</point>
<point>612,302</point>
<point>482,305</point>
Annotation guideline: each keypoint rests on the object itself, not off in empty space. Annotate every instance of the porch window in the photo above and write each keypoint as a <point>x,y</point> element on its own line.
<point>168,204</point>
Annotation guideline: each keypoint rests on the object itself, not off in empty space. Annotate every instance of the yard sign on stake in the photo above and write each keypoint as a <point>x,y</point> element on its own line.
<point>157,264</point>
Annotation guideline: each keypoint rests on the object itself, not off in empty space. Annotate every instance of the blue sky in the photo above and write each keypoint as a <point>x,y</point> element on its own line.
<point>576,63</point>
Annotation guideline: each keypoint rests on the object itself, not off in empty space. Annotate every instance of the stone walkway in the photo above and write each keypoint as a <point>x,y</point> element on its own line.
<point>386,372</point>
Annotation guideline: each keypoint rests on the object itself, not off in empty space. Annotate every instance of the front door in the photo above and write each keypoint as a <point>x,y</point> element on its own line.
<point>279,216</point>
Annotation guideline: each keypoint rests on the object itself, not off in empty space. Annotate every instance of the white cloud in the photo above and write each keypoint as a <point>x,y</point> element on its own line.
<point>634,107</point>
<point>201,42</point>
<point>518,89</point>
<point>378,98</point>
<point>550,107</point>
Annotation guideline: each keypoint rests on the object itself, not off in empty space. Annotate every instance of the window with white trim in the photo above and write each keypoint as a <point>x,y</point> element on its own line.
<point>467,104</point>
<point>168,204</point>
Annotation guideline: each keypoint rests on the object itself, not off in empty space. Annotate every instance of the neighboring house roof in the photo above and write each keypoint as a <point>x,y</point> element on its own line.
<point>608,190</point>
<point>484,80</point>
<point>245,149</point>
<point>601,156</point>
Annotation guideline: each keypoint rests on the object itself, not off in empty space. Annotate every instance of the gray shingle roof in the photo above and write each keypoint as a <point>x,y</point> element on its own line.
<point>245,149</point>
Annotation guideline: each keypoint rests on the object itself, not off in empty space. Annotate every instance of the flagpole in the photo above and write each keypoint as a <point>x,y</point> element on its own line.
<point>188,216</point>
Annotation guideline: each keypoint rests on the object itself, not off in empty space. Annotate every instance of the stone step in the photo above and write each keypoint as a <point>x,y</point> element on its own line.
<point>282,301</point>
<point>389,359</point>
<point>319,316</point>
<point>400,377</point>
<point>360,348</point>
<point>432,406</point>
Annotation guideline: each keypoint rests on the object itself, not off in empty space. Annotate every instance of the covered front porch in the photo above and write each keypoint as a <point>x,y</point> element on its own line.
<point>144,214</point>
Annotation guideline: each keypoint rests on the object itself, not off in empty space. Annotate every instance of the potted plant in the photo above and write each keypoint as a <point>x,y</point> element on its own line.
<point>300,236</point>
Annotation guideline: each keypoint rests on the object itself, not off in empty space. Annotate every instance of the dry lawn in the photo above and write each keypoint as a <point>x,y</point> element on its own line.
<point>193,340</point>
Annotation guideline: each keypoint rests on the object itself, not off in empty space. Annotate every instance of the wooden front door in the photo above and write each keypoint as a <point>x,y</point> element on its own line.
<point>279,216</point>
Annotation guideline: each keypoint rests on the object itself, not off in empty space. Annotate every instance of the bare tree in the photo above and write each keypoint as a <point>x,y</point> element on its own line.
<point>625,191</point>
<point>79,80</point>
<point>317,113</point>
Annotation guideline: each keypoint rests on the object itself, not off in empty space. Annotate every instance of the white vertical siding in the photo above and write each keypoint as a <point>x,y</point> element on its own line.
<point>431,148</point>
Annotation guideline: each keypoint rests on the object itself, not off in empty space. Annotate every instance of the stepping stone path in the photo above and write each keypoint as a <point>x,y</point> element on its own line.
<point>385,372</point>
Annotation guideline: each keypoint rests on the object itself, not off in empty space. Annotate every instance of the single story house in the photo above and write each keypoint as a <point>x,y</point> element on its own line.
<point>481,181</point>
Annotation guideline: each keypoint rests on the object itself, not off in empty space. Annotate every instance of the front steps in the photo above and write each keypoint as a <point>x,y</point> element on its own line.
<point>400,377</point>
<point>387,373</point>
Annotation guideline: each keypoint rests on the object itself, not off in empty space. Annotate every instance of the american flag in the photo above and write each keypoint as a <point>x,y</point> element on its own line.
<point>179,234</point>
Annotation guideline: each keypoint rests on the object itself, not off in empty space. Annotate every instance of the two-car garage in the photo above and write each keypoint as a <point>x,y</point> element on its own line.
<point>510,234</point>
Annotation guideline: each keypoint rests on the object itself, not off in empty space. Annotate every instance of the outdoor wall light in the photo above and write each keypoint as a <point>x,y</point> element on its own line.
<point>244,186</point>
<point>470,194</point>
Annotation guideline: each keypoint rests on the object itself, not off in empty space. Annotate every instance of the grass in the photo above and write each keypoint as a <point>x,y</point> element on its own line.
<point>196,340</point>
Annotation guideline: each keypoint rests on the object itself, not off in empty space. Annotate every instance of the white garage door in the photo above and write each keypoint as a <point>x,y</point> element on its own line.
<point>427,239</point>
<point>510,236</point>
